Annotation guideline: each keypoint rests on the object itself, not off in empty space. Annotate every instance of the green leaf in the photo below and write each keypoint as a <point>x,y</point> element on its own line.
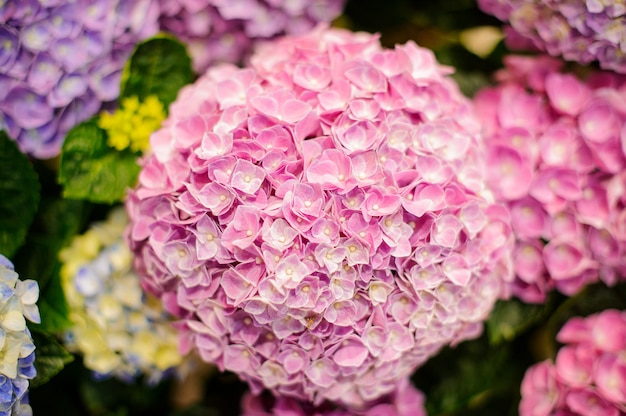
<point>19,196</point>
<point>93,171</point>
<point>474,378</point>
<point>470,82</point>
<point>511,318</point>
<point>53,307</point>
<point>56,222</point>
<point>159,66</point>
<point>50,358</point>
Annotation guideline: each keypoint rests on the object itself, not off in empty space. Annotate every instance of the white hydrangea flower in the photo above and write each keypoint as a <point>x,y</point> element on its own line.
<point>17,303</point>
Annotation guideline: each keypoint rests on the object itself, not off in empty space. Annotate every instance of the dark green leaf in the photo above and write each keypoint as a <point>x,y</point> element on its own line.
<point>159,66</point>
<point>53,306</point>
<point>511,318</point>
<point>50,358</point>
<point>377,15</point>
<point>56,222</point>
<point>19,196</point>
<point>470,82</point>
<point>473,378</point>
<point>93,171</point>
<point>76,392</point>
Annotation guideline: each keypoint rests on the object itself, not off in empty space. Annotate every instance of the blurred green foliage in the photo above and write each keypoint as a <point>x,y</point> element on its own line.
<point>19,196</point>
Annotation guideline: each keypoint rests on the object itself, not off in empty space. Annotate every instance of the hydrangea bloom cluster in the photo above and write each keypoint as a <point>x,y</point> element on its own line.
<point>60,60</point>
<point>119,330</point>
<point>317,220</point>
<point>226,31</point>
<point>578,30</point>
<point>17,352</point>
<point>130,125</point>
<point>588,377</point>
<point>556,155</point>
<point>406,400</point>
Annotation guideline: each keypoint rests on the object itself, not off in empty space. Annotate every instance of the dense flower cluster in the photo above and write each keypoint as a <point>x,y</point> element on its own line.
<point>404,401</point>
<point>60,60</point>
<point>589,375</point>
<point>119,330</point>
<point>556,155</point>
<point>131,125</point>
<point>318,219</point>
<point>578,30</point>
<point>226,31</point>
<point>17,351</point>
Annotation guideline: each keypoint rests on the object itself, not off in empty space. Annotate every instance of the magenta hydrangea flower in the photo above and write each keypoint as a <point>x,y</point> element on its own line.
<point>319,220</point>
<point>405,400</point>
<point>226,31</point>
<point>577,30</point>
<point>588,377</point>
<point>60,60</point>
<point>555,148</point>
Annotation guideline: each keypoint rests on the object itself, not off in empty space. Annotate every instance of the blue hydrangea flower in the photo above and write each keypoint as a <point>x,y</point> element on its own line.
<point>119,331</point>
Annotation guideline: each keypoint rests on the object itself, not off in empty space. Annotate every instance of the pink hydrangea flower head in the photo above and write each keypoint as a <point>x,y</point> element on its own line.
<point>226,31</point>
<point>405,400</point>
<point>580,30</point>
<point>60,61</point>
<point>325,227</point>
<point>589,375</point>
<point>556,156</point>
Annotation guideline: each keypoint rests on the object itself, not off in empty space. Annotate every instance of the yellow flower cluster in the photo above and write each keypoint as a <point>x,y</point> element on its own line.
<point>119,330</point>
<point>133,123</point>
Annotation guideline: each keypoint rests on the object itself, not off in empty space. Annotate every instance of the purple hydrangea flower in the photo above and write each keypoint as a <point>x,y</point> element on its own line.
<point>225,31</point>
<point>578,30</point>
<point>556,156</point>
<point>319,220</point>
<point>60,61</point>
